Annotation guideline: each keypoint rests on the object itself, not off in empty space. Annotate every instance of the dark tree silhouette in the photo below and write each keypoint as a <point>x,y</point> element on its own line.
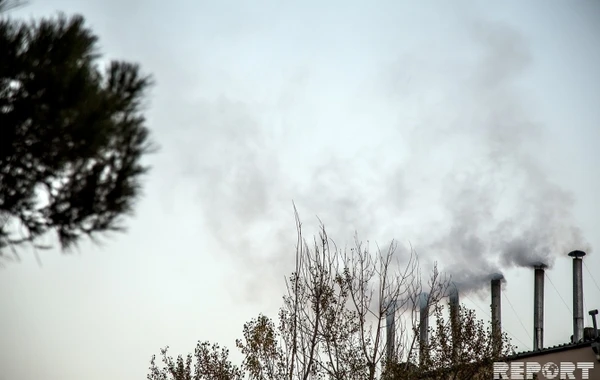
<point>72,136</point>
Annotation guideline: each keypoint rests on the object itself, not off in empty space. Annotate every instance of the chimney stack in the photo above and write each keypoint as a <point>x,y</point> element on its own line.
<point>424,325</point>
<point>538,307</point>
<point>577,295</point>
<point>497,313</point>
<point>391,330</point>
<point>454,320</point>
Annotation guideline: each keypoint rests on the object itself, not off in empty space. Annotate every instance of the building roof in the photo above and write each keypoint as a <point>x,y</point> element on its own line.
<point>548,350</point>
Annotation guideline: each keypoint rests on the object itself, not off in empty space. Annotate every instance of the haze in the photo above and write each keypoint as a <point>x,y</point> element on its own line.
<point>467,129</point>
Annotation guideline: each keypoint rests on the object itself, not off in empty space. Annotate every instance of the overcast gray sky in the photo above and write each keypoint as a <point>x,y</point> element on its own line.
<point>468,129</point>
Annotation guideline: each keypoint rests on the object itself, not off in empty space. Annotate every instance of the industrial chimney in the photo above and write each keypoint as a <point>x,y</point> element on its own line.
<point>497,313</point>
<point>424,324</point>
<point>454,320</point>
<point>538,307</point>
<point>391,329</point>
<point>577,295</point>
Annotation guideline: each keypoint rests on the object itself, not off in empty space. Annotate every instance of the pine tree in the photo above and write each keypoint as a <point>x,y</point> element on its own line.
<point>72,136</point>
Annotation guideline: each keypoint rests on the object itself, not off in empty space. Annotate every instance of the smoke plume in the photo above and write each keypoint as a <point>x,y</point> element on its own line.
<point>493,206</point>
<point>504,211</point>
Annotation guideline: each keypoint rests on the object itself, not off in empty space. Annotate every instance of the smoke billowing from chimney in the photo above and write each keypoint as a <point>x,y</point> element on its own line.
<point>471,280</point>
<point>501,209</point>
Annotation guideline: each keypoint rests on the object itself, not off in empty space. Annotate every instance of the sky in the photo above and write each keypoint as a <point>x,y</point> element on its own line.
<point>464,129</point>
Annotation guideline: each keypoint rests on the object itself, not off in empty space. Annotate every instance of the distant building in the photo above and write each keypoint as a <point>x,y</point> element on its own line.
<point>565,353</point>
<point>582,352</point>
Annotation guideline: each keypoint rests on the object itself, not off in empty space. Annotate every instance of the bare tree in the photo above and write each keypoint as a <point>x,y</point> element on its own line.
<point>332,323</point>
<point>333,319</point>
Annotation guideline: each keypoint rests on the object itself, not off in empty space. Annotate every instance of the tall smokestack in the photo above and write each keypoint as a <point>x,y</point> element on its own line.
<point>391,330</point>
<point>538,307</point>
<point>577,295</point>
<point>497,313</point>
<point>424,325</point>
<point>454,320</point>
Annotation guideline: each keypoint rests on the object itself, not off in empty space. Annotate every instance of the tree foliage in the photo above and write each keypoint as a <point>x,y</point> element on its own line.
<point>332,323</point>
<point>72,134</point>
<point>465,350</point>
<point>211,363</point>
